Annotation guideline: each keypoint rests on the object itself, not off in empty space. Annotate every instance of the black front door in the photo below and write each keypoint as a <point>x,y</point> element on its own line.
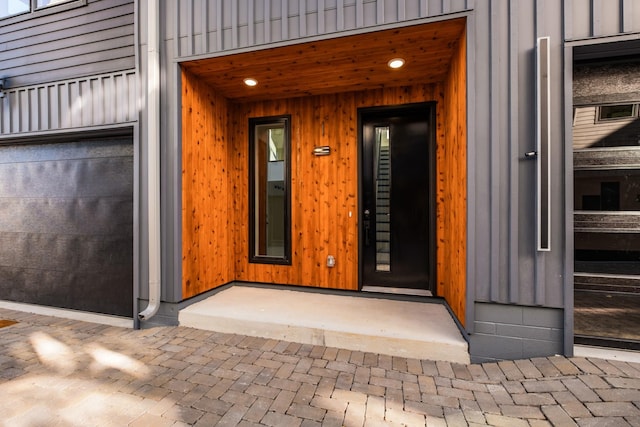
<point>397,214</point>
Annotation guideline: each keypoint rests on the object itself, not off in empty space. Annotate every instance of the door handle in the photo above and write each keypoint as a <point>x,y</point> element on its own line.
<point>367,226</point>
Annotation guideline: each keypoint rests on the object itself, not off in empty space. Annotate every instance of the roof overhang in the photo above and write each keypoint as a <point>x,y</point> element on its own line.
<point>348,63</point>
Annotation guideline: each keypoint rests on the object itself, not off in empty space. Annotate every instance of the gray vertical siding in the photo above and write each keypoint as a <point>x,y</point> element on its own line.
<point>599,18</point>
<point>96,38</point>
<point>170,155</point>
<point>210,26</point>
<point>515,294</point>
<point>506,267</point>
<point>101,100</point>
<point>503,263</point>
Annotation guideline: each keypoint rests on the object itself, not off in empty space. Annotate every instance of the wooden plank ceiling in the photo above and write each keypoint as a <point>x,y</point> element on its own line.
<point>342,64</point>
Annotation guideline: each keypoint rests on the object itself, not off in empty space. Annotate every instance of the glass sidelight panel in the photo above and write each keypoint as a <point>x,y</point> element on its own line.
<point>270,228</point>
<point>382,175</point>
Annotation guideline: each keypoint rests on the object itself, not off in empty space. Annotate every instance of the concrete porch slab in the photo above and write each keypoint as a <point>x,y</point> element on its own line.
<point>397,328</point>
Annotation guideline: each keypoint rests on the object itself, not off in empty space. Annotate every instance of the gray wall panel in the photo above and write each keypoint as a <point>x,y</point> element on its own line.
<point>99,100</point>
<point>93,39</point>
<point>171,164</point>
<point>500,111</point>
<point>507,268</point>
<point>170,149</point>
<point>553,281</point>
<point>521,174</point>
<point>479,157</point>
<point>585,19</point>
<point>212,26</point>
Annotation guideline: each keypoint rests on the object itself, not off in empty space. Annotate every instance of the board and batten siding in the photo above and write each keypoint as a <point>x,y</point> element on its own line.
<point>91,39</point>
<point>515,293</point>
<point>211,26</point>
<point>533,290</point>
<point>97,101</point>
<point>584,19</point>
<point>503,263</point>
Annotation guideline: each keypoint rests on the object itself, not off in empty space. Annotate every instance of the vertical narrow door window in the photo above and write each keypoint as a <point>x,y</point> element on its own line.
<point>269,178</point>
<point>382,170</point>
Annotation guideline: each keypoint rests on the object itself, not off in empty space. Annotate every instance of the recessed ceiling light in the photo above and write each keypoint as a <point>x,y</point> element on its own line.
<point>250,82</point>
<point>396,63</point>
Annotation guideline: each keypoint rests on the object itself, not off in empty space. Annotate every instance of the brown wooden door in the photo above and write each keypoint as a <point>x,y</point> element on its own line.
<point>397,214</point>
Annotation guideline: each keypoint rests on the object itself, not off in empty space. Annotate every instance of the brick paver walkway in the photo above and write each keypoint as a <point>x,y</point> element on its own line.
<point>58,372</point>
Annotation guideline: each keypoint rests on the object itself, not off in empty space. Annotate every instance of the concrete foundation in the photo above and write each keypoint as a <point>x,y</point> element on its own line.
<point>398,328</point>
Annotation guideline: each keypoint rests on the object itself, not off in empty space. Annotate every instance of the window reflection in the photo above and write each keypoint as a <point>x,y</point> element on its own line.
<point>45,3</point>
<point>13,7</point>
<point>607,190</point>
<point>16,7</point>
<point>606,126</point>
<point>606,161</point>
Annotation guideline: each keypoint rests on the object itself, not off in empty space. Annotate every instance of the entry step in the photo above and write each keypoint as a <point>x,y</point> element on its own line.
<point>419,330</point>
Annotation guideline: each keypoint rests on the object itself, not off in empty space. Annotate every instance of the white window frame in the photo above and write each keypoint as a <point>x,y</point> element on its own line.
<point>37,11</point>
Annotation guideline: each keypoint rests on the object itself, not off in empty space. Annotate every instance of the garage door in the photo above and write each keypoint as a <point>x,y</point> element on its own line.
<point>66,225</point>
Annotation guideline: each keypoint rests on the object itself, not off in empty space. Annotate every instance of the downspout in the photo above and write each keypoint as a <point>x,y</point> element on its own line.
<point>153,159</point>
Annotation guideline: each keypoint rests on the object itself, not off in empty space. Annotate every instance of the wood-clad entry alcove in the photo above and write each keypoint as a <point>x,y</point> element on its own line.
<point>320,85</point>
